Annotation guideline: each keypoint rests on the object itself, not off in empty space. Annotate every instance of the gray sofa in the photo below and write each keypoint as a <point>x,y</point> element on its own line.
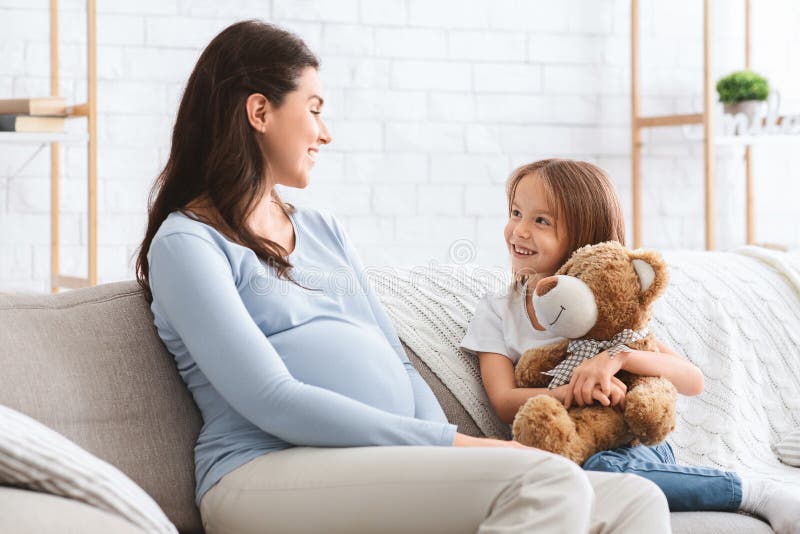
<point>89,364</point>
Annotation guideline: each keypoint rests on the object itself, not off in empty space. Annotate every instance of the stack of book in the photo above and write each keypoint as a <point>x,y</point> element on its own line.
<point>45,114</point>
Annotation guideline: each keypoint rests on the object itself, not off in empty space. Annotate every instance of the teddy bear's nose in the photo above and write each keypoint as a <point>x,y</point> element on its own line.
<point>545,285</point>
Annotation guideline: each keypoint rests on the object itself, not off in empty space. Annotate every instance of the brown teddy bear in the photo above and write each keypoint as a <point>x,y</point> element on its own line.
<point>599,300</point>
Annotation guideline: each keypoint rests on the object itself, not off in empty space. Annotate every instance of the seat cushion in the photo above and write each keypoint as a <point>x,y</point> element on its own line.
<point>89,364</point>
<point>33,456</point>
<point>30,511</point>
<point>717,523</point>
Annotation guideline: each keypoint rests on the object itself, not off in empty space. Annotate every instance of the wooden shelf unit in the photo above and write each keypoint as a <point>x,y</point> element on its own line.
<point>706,118</point>
<point>88,110</point>
<point>38,138</point>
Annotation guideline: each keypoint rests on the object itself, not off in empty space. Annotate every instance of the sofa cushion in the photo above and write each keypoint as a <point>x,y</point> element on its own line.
<point>788,448</point>
<point>36,457</point>
<point>32,511</point>
<point>716,523</point>
<point>89,364</point>
<point>430,307</point>
<point>453,409</point>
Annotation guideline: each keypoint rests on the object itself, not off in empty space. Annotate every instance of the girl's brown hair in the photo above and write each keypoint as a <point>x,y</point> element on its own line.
<point>583,198</point>
<point>215,156</point>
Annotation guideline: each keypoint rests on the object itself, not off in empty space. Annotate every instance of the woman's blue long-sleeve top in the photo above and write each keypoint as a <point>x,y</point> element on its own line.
<point>272,365</point>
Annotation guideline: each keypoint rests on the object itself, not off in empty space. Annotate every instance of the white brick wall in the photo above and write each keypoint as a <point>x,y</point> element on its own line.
<point>431,103</point>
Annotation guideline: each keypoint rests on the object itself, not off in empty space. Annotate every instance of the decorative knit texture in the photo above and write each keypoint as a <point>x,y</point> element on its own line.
<point>736,315</point>
<point>431,308</point>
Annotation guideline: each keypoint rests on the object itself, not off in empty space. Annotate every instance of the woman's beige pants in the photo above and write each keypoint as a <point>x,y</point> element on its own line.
<point>413,490</point>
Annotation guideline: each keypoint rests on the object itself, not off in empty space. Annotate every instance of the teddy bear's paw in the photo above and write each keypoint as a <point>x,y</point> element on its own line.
<point>529,370</point>
<point>544,423</point>
<point>650,410</point>
<point>600,428</point>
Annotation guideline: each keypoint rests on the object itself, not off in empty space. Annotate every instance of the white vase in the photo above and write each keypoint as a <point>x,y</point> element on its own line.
<point>754,110</point>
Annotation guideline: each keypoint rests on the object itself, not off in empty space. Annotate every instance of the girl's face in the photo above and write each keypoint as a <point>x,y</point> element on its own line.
<point>536,242</point>
<point>295,131</point>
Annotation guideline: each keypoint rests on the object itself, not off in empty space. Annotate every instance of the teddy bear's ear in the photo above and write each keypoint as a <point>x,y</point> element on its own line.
<point>652,273</point>
<point>646,273</point>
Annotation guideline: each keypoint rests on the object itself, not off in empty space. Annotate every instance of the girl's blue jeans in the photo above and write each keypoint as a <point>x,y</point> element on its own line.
<point>688,489</point>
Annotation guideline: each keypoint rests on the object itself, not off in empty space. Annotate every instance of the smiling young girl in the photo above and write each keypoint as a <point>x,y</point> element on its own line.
<point>556,206</point>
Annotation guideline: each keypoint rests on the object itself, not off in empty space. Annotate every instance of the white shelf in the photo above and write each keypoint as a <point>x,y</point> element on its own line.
<point>696,136</point>
<point>38,138</point>
<point>756,139</point>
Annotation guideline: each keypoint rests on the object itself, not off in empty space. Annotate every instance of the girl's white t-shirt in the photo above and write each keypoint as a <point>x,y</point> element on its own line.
<point>501,325</point>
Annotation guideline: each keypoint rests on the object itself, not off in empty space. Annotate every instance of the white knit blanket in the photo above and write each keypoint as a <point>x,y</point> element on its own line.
<point>736,315</point>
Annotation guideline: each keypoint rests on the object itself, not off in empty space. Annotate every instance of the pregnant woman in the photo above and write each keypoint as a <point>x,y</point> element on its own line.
<point>314,420</point>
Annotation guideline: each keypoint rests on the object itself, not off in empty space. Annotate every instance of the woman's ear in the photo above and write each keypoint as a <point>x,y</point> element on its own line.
<point>259,111</point>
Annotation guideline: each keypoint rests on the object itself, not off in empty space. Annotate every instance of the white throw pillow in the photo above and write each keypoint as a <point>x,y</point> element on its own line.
<point>788,449</point>
<point>36,457</point>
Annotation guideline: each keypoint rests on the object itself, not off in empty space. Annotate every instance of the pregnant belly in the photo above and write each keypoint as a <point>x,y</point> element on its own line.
<point>354,360</point>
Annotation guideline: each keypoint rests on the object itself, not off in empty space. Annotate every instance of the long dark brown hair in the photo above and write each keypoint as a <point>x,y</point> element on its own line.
<point>215,155</point>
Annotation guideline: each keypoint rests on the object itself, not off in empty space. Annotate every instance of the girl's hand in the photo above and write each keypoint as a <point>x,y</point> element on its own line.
<point>597,371</point>
<point>618,391</point>
<point>559,393</point>
<point>614,398</point>
<point>463,440</point>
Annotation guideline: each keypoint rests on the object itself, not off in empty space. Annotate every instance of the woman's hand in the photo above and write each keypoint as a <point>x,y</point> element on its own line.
<point>463,440</point>
<point>591,374</point>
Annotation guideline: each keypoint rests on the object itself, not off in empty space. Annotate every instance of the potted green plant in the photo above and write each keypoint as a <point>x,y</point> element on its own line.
<point>744,92</point>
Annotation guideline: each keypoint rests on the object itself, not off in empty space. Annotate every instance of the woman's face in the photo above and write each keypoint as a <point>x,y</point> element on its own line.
<point>294,132</point>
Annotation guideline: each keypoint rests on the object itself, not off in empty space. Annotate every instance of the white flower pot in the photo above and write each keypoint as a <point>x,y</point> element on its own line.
<point>754,110</point>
